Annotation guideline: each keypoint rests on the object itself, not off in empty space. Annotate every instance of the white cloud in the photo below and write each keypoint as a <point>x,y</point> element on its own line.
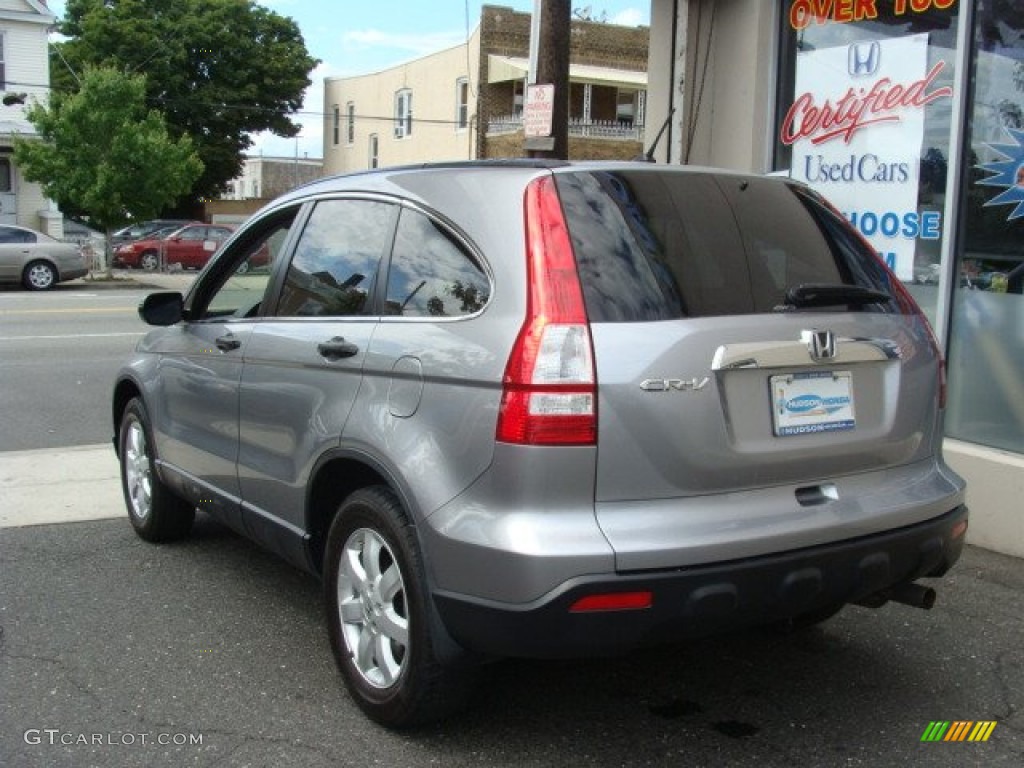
<point>631,17</point>
<point>381,43</point>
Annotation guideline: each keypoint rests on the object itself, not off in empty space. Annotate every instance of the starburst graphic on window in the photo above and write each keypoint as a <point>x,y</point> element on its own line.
<point>1009,173</point>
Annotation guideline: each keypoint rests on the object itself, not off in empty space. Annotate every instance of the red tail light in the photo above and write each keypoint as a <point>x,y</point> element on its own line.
<point>550,395</point>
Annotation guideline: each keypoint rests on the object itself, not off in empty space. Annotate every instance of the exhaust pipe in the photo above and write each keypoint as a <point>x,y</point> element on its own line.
<point>908,593</point>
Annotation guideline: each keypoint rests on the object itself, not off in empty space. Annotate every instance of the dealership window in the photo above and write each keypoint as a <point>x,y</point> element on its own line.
<point>350,123</point>
<point>5,175</point>
<point>403,113</point>
<point>883,162</point>
<point>986,340</point>
<point>336,125</point>
<point>462,103</point>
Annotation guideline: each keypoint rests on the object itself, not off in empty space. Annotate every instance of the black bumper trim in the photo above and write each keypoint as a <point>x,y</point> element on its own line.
<point>707,599</point>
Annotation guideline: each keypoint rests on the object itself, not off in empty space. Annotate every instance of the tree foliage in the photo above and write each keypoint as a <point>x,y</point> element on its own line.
<point>104,154</point>
<point>218,69</point>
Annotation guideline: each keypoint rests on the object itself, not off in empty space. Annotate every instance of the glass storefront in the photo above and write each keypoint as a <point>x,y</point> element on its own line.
<point>865,114</point>
<point>986,345</point>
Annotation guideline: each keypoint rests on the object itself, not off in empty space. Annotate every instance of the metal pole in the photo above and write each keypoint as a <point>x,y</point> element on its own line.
<point>553,68</point>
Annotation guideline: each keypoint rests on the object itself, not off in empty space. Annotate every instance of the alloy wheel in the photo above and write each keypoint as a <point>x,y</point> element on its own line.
<point>371,603</point>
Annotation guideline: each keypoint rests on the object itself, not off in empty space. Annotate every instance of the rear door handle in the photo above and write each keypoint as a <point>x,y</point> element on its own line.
<point>227,342</point>
<point>337,348</point>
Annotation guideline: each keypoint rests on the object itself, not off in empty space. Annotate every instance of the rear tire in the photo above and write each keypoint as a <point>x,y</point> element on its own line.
<point>39,276</point>
<point>155,512</point>
<point>379,616</point>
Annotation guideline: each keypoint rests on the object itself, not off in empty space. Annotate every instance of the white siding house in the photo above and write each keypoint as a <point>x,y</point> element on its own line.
<point>24,78</point>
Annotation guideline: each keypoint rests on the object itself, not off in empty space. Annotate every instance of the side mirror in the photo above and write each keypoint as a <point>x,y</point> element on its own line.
<point>164,308</point>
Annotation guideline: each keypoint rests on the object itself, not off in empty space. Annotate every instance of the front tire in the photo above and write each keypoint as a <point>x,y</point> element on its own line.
<point>39,276</point>
<point>155,512</point>
<point>149,261</point>
<point>379,617</point>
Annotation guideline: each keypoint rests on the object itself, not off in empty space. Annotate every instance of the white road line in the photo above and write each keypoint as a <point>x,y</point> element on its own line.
<point>73,336</point>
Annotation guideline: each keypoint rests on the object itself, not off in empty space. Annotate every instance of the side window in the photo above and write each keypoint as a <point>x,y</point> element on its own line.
<point>12,235</point>
<point>403,113</point>
<point>247,268</point>
<point>431,275</point>
<point>194,233</point>
<point>334,270</point>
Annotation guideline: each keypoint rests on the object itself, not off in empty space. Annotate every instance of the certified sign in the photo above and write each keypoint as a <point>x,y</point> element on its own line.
<point>540,104</point>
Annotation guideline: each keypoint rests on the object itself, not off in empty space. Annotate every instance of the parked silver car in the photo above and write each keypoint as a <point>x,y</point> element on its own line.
<point>543,410</point>
<point>36,260</point>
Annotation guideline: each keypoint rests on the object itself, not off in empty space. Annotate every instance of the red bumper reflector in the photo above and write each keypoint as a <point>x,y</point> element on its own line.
<point>614,601</point>
<point>959,529</point>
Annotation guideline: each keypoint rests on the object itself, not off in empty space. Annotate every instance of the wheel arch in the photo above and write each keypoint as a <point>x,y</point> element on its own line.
<point>336,476</point>
<point>124,391</point>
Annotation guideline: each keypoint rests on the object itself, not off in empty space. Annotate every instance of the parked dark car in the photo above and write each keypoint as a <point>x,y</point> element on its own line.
<point>547,410</point>
<point>37,261</point>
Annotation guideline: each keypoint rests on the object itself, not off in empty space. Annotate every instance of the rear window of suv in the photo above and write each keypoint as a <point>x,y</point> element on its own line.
<point>660,246</point>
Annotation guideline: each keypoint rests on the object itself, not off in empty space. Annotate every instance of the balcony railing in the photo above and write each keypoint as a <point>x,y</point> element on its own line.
<point>578,128</point>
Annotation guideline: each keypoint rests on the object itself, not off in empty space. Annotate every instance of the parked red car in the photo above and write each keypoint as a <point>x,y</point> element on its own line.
<point>190,246</point>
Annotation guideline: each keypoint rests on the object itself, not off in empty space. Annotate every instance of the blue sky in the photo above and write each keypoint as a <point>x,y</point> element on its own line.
<point>353,37</point>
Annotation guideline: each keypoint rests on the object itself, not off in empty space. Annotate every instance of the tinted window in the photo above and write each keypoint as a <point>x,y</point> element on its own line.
<point>193,233</point>
<point>657,246</point>
<point>334,270</point>
<point>431,275</point>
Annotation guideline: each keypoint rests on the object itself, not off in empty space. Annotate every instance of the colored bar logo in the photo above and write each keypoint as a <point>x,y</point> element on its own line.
<point>959,730</point>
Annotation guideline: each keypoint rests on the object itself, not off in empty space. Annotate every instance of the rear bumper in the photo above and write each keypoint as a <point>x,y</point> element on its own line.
<point>706,599</point>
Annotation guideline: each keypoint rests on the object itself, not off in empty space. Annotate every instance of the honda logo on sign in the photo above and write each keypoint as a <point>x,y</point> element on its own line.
<point>864,58</point>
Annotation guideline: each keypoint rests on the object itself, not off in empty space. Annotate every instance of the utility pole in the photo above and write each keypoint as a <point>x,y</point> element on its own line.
<point>552,67</point>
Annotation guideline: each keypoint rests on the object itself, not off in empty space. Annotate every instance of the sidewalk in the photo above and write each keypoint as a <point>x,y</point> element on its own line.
<point>128,279</point>
<point>59,485</point>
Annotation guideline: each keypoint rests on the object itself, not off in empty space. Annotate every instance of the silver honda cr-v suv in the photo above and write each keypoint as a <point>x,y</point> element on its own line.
<point>540,409</point>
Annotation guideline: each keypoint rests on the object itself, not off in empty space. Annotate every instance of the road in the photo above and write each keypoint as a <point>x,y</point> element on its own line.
<point>215,640</point>
<point>59,351</point>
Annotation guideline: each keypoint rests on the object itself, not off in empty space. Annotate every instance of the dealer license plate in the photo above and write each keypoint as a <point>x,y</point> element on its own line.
<point>816,401</point>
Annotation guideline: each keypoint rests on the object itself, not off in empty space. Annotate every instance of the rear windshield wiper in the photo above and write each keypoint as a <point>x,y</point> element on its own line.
<point>808,295</point>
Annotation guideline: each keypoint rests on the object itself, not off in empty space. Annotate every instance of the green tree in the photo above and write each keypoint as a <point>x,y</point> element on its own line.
<point>218,69</point>
<point>103,154</point>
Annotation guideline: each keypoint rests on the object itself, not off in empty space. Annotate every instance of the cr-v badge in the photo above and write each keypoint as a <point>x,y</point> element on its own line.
<point>674,385</point>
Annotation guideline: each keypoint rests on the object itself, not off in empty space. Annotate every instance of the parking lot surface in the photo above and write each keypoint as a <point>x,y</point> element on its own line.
<point>212,652</point>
